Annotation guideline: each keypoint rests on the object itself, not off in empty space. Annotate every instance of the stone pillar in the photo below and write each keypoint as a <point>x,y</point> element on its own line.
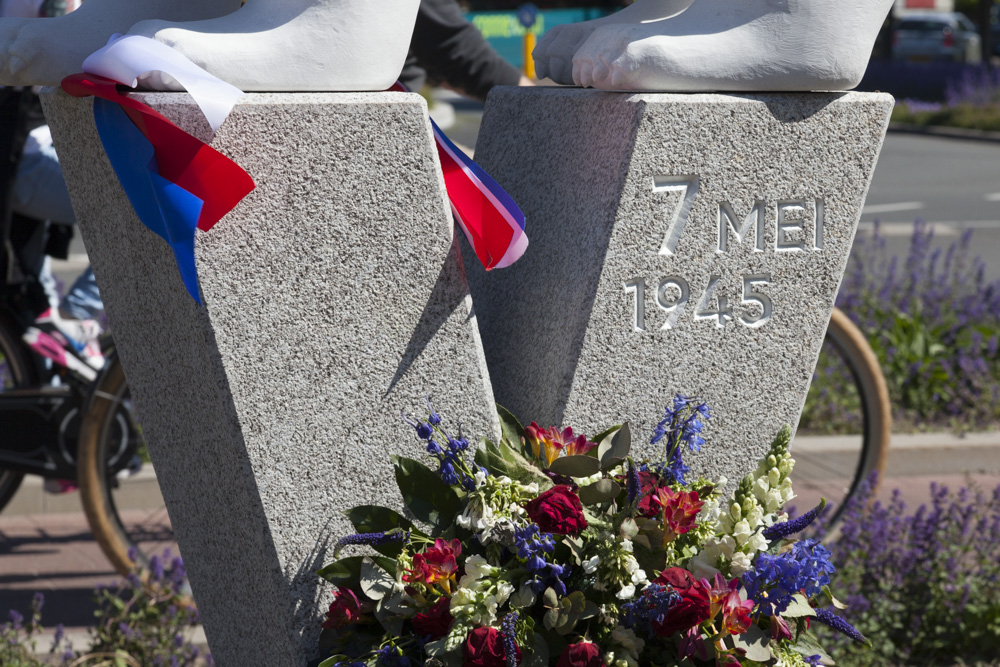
<point>679,243</point>
<point>335,297</point>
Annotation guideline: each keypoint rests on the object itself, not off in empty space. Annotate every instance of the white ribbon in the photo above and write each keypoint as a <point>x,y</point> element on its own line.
<point>127,57</point>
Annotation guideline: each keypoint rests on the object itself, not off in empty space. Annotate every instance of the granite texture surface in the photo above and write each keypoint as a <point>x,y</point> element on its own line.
<point>637,285</point>
<point>335,298</point>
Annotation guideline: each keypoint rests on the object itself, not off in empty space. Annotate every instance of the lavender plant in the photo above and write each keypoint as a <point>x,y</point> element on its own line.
<point>143,622</point>
<point>934,323</point>
<point>922,586</point>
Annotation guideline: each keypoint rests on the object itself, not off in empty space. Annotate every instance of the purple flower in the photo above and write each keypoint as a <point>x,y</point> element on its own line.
<point>509,636</point>
<point>826,617</point>
<point>780,531</point>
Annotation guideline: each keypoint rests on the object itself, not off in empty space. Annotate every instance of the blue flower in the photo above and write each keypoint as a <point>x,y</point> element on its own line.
<point>650,609</point>
<point>373,539</point>
<point>775,579</point>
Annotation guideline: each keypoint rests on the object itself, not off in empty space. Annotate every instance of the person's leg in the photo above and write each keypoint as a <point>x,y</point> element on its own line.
<point>296,45</point>
<point>83,300</point>
<point>39,190</point>
<point>44,51</point>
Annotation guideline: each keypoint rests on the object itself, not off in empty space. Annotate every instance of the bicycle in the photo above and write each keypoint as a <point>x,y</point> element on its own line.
<point>62,424</point>
<point>837,466</point>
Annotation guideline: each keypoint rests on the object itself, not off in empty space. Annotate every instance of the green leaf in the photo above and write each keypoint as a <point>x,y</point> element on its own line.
<point>575,466</point>
<point>510,428</point>
<point>834,601</point>
<point>376,583</point>
<point>615,447</point>
<point>755,643</point>
<point>807,645</point>
<point>343,573</point>
<point>601,491</point>
<point>426,495</point>
<point>605,433</point>
<point>331,661</point>
<point>539,652</point>
<point>798,607</point>
<point>550,599</point>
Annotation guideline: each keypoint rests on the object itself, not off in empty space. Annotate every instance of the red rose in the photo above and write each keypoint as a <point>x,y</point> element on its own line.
<point>484,648</point>
<point>345,609</point>
<point>558,511</point>
<point>693,607</point>
<point>435,622</point>
<point>584,654</point>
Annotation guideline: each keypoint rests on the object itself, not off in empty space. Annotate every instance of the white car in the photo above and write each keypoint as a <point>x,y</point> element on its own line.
<point>930,36</point>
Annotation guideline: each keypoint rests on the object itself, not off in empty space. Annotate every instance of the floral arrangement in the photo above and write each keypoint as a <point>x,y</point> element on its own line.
<point>551,548</point>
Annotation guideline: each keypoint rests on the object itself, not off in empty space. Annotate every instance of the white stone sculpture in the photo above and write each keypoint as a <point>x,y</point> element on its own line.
<point>717,45</point>
<point>265,45</point>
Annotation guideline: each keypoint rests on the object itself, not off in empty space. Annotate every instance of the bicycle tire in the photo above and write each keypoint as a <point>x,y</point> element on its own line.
<point>876,408</point>
<point>93,478</point>
<point>21,374</point>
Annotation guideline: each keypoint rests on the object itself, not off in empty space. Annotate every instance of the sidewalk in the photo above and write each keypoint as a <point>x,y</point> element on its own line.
<point>45,543</point>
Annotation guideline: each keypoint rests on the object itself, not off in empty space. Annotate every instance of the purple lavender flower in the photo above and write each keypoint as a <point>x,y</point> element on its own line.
<point>780,531</point>
<point>828,618</point>
<point>509,635</point>
<point>373,539</point>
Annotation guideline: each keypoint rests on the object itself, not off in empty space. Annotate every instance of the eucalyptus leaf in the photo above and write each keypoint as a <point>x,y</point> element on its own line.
<point>755,643</point>
<point>615,447</point>
<point>550,599</point>
<point>601,491</point>
<point>798,607</point>
<point>426,495</point>
<point>376,583</point>
<point>575,466</point>
<point>331,661</point>
<point>343,573</point>
<point>550,619</point>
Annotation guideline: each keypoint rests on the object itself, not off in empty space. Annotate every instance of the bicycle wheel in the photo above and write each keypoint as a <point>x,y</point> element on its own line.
<point>849,397</point>
<point>15,372</point>
<point>109,437</point>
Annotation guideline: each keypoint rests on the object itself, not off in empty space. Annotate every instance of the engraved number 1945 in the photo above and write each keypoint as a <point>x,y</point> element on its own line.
<point>673,293</point>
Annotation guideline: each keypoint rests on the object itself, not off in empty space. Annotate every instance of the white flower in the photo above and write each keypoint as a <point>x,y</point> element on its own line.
<point>504,589</point>
<point>761,487</point>
<point>740,565</point>
<point>736,512</point>
<point>626,592</point>
<point>774,476</point>
<point>627,545</point>
<point>710,511</point>
<point>587,481</point>
<point>639,577</point>
<point>530,488</point>
<point>772,500</point>
<point>476,567</point>
<point>755,517</point>
<point>480,477</point>
<point>756,543</point>
<point>590,565</point>
<point>742,532</point>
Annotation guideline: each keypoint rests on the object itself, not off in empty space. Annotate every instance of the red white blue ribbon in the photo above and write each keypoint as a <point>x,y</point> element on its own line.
<point>491,220</point>
<point>175,182</point>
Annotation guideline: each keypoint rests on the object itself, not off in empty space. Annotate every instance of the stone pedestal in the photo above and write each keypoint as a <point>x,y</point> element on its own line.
<point>335,297</point>
<point>679,243</point>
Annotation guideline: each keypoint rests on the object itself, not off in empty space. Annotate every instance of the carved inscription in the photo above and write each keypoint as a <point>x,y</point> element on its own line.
<point>674,292</point>
<point>792,219</point>
<point>798,226</point>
